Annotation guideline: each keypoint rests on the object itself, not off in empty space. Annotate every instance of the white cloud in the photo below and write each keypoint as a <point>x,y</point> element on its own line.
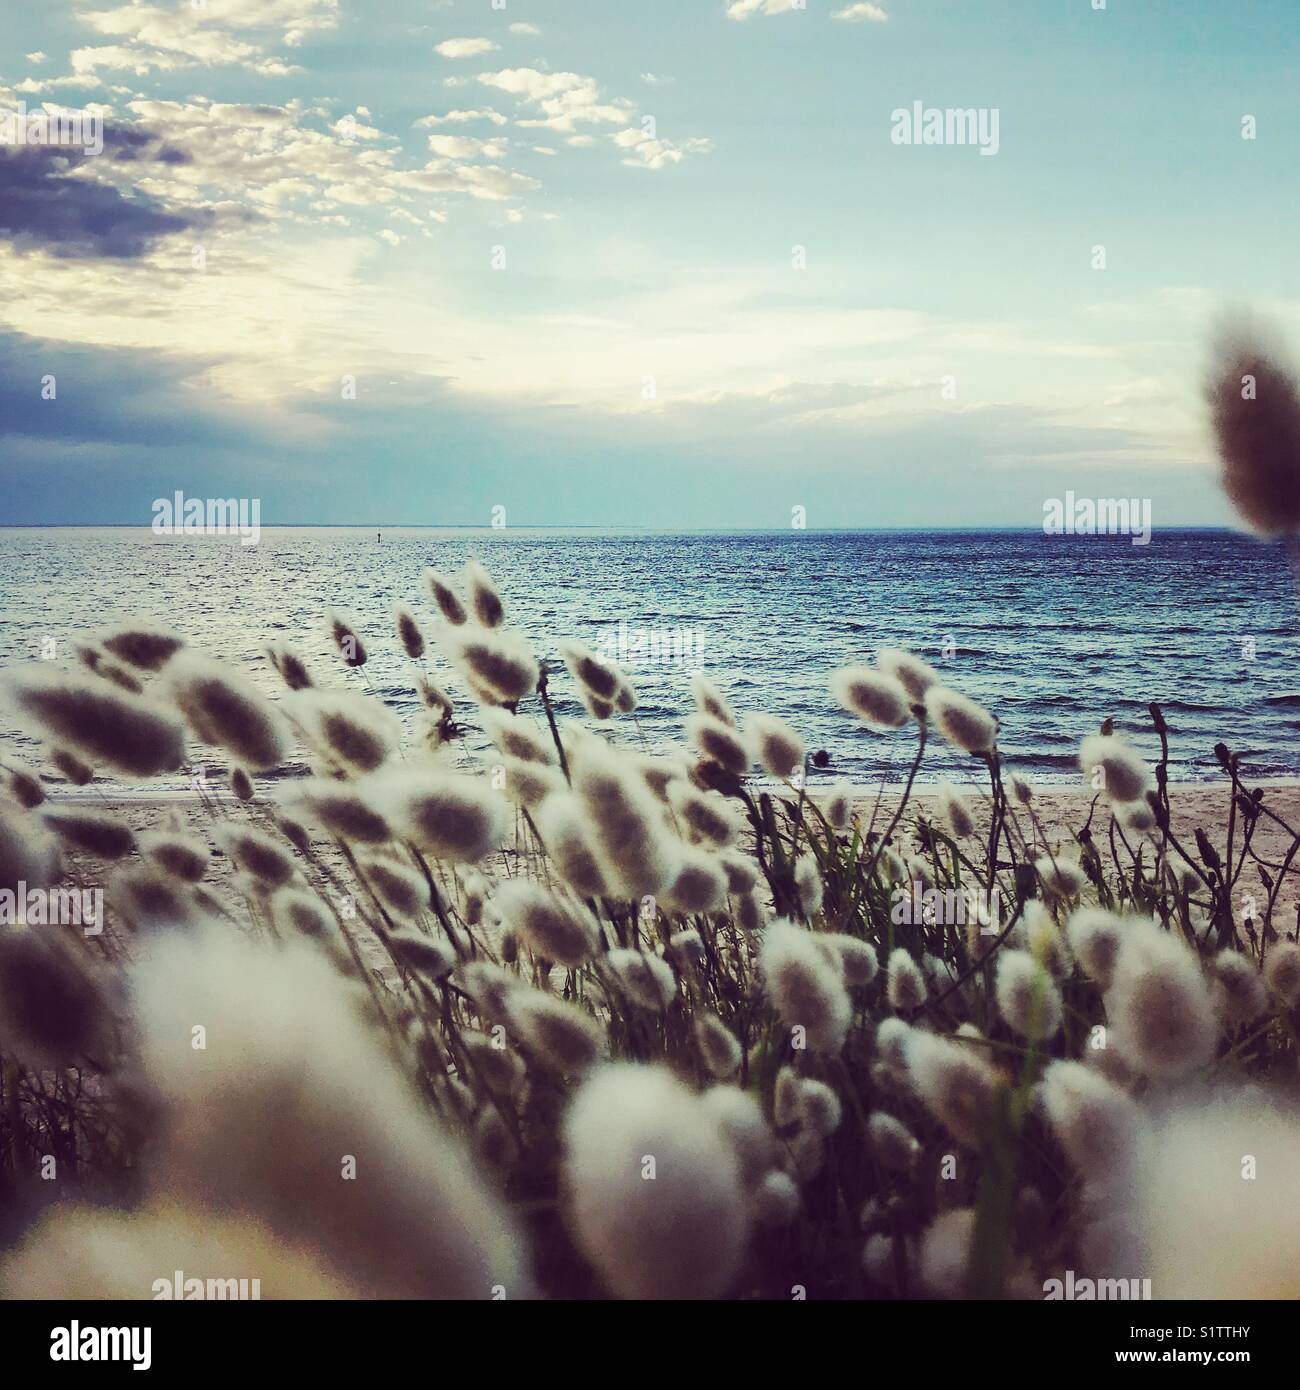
<point>466,147</point>
<point>464,48</point>
<point>645,152</point>
<point>36,58</point>
<point>524,29</point>
<point>391,237</point>
<point>746,9</point>
<point>565,99</point>
<point>863,13</point>
<point>153,38</point>
<point>485,113</point>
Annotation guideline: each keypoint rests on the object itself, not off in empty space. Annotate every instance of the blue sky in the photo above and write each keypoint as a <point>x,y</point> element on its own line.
<point>551,305</point>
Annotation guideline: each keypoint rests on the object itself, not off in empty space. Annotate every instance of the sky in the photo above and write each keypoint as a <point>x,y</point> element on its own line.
<point>663,264</point>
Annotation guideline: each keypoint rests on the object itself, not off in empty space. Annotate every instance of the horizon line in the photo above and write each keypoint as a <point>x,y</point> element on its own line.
<point>578,526</point>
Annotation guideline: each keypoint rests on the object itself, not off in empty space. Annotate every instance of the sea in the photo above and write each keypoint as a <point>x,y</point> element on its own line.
<point>1054,634</point>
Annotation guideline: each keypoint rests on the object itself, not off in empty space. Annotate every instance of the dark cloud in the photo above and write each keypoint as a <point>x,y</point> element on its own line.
<point>109,396</point>
<point>47,203</point>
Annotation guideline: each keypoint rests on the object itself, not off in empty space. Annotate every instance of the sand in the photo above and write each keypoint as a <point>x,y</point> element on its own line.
<point>1061,813</point>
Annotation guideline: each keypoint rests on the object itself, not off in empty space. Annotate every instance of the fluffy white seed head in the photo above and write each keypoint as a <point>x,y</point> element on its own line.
<point>1239,993</point>
<point>100,833</point>
<point>955,811</point>
<point>401,889</point>
<point>180,854</point>
<point>292,1080</point>
<point>1098,1125</point>
<point>871,695</point>
<point>913,674</point>
<point>1094,936</point>
<point>519,738</point>
<point>804,987</point>
<point>633,843</point>
<point>570,841</point>
<point>529,784</point>
<point>744,1128</point>
<point>719,743</point>
<point>129,733</point>
<point>710,700</point>
<point>498,666</point>
<point>444,598</point>
<point>819,1107</point>
<point>808,884</point>
<point>960,720</point>
<point>447,815</point>
<point>718,1046</point>
<point>341,808</point>
<point>1061,877</point>
<point>140,642</point>
<point>700,884</point>
<point>1043,940</point>
<point>1282,971</point>
<point>780,750</point>
<point>704,817</point>
<point>267,860</point>
<point>593,673</point>
<point>906,984</point>
<point>1159,1005</point>
<point>53,1002</point>
<point>945,1252</point>
<point>957,1086</point>
<point>1113,767</point>
<point>644,980</point>
<point>838,805</point>
<point>742,873</point>
<point>893,1142</point>
<point>680,1236</point>
<point>1027,997</point>
<point>857,958</point>
<point>561,1036</point>
<point>483,596</point>
<point>775,1201</point>
<point>354,731</point>
<point>558,929</point>
<point>227,710</point>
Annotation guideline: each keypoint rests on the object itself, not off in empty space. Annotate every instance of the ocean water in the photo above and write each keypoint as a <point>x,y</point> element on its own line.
<point>1052,633</point>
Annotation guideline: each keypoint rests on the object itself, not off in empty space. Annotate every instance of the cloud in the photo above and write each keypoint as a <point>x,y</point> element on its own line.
<point>565,99</point>
<point>114,398</point>
<point>464,48</point>
<point>746,9</point>
<point>36,58</point>
<point>221,33</point>
<point>863,13</point>
<point>485,113</point>
<point>645,152</point>
<point>46,202</point>
<point>524,29</point>
<point>466,147</point>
